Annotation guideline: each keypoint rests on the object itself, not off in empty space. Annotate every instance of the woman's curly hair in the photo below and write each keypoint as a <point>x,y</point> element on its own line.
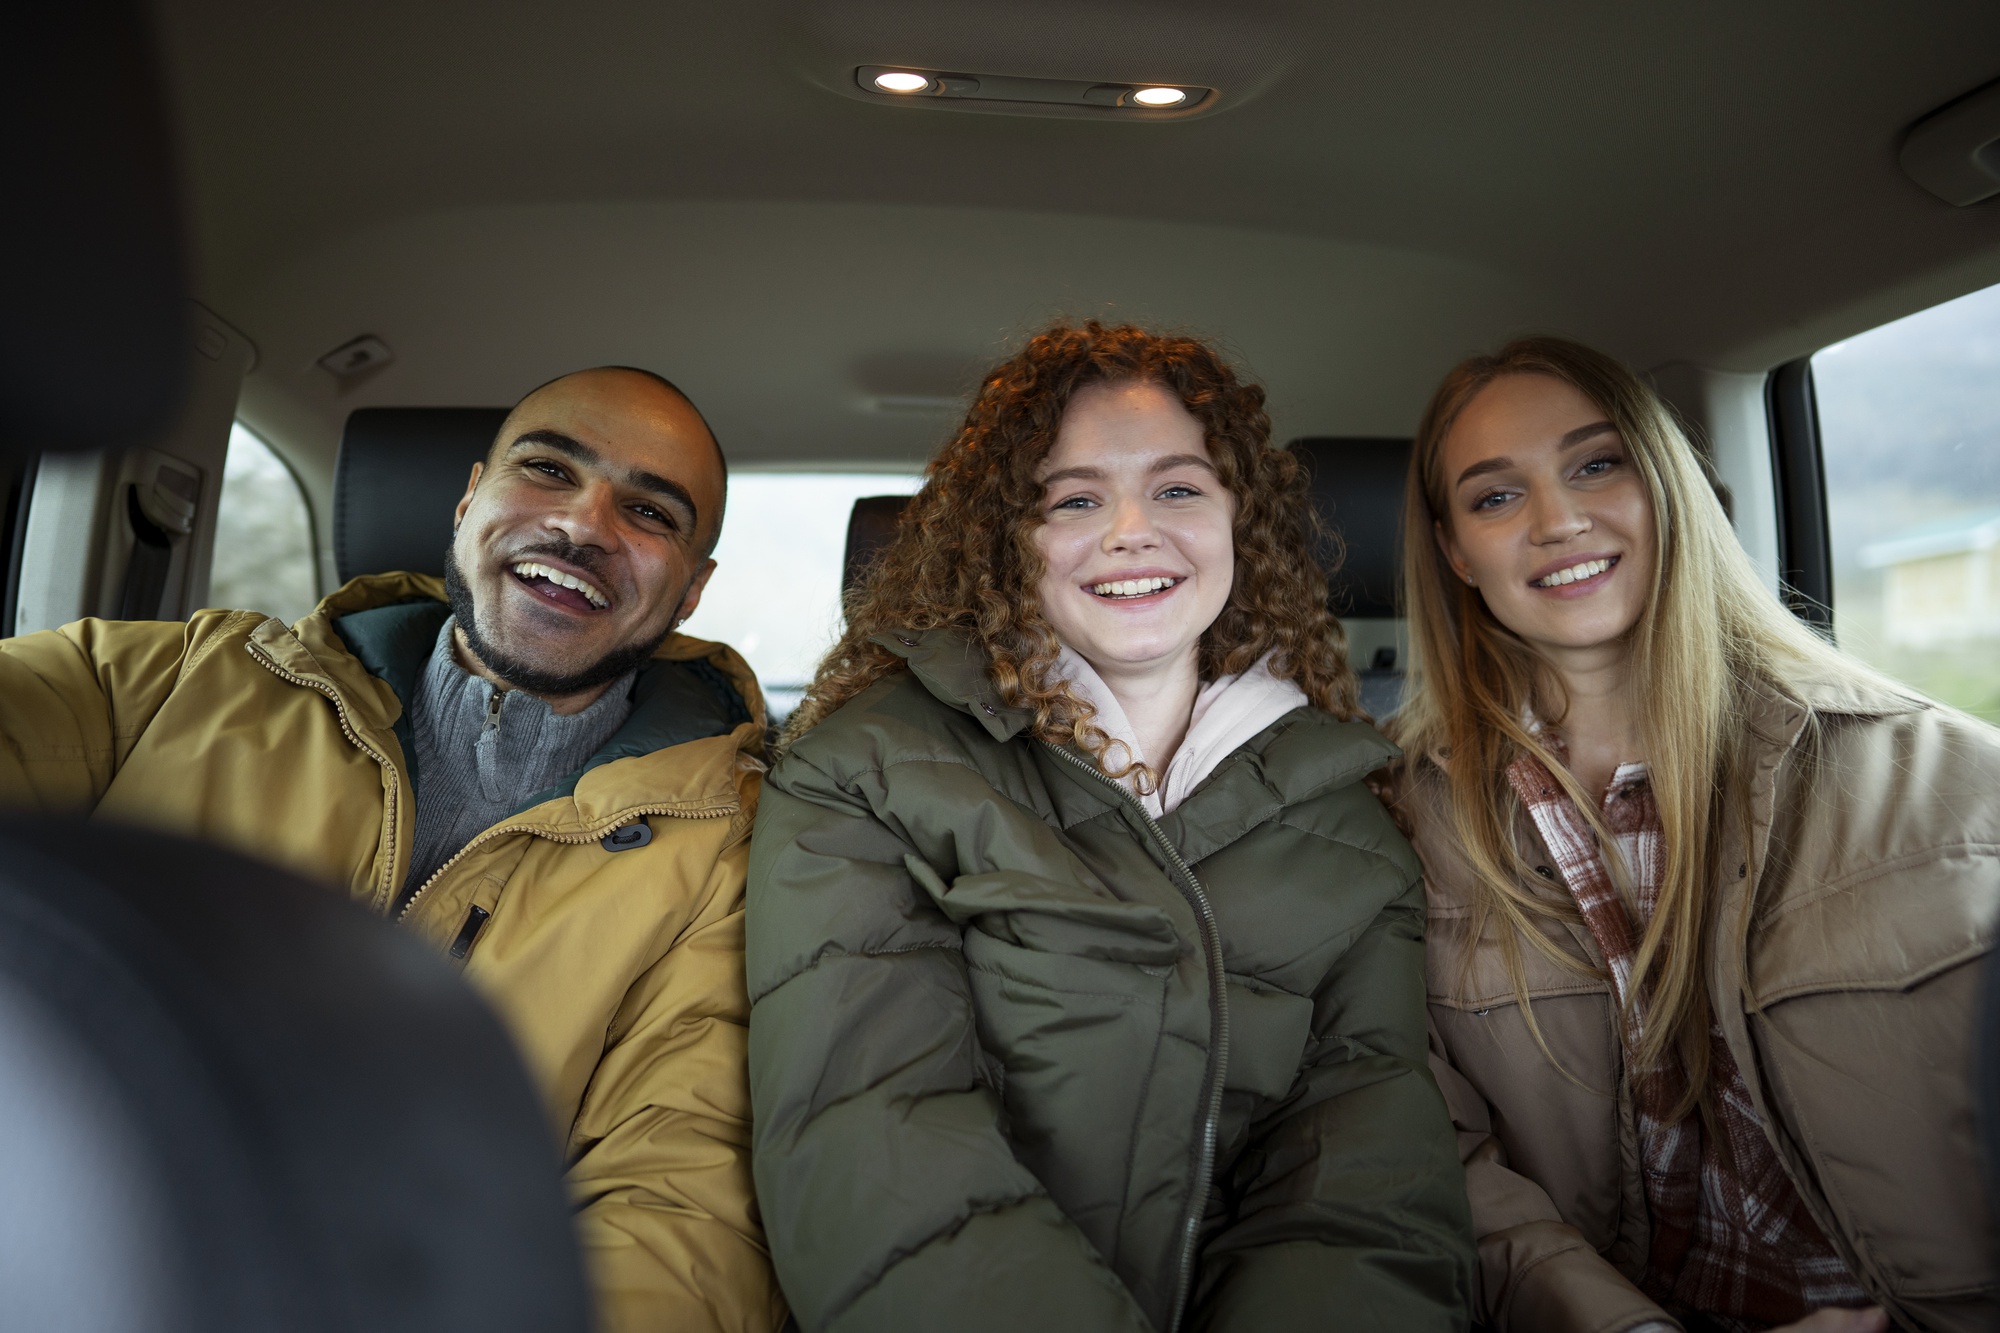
<point>964,555</point>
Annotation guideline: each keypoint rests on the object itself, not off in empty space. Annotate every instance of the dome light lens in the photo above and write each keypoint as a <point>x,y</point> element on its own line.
<point>901,81</point>
<point>1159,97</point>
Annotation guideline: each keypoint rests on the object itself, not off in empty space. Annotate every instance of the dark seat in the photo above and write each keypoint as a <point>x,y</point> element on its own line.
<point>871,526</point>
<point>400,473</point>
<point>233,1101</point>
<point>1357,488</point>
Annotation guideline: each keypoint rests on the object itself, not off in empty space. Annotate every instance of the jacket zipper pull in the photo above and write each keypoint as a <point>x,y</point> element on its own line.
<point>467,933</point>
<point>493,705</point>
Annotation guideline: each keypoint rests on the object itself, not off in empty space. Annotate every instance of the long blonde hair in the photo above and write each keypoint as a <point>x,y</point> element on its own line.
<point>1709,629</point>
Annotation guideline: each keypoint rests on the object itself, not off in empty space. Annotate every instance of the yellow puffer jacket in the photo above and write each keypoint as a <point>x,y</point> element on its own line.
<point>619,973</point>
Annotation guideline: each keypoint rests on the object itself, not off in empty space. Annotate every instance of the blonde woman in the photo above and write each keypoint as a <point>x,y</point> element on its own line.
<point>1707,900</point>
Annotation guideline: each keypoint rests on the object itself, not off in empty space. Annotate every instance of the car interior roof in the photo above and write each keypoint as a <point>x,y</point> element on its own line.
<point>501,193</point>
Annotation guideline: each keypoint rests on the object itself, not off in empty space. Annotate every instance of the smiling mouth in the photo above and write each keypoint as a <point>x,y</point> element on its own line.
<point>1588,569</point>
<point>560,587</point>
<point>1119,590</point>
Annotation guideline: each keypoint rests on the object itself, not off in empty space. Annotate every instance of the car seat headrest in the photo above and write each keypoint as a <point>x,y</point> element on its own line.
<point>400,475</point>
<point>871,526</point>
<point>1357,487</point>
<point>249,1108</point>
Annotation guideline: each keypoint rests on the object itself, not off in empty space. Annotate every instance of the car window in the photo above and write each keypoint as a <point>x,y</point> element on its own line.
<point>263,534</point>
<point>775,596</point>
<point>1910,433</point>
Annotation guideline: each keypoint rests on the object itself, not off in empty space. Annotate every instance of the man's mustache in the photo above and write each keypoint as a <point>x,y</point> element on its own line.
<point>585,558</point>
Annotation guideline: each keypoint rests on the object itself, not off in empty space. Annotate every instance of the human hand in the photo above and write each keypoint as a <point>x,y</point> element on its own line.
<point>1871,1320</point>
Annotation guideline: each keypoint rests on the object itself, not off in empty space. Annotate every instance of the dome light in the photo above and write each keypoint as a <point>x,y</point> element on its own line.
<point>1159,97</point>
<point>901,81</point>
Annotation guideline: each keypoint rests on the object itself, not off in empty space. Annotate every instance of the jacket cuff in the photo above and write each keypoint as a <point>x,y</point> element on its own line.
<point>1571,1288</point>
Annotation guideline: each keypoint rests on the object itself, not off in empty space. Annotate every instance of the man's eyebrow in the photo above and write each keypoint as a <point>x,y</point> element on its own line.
<point>637,478</point>
<point>641,480</point>
<point>556,440</point>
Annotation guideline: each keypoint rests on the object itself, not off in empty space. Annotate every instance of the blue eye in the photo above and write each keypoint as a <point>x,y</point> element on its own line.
<point>1074,502</point>
<point>1178,492</point>
<point>1597,467</point>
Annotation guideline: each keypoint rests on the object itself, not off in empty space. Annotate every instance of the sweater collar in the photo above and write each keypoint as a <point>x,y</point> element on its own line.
<point>387,624</point>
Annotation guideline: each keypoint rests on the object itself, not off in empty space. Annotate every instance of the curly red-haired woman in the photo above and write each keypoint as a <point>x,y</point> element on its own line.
<point>1087,972</point>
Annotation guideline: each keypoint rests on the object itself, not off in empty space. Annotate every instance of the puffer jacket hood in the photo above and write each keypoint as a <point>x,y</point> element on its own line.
<point>1024,1057</point>
<point>616,963</point>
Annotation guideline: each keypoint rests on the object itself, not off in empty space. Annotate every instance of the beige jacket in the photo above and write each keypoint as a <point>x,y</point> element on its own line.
<point>1850,921</point>
<point>620,975</point>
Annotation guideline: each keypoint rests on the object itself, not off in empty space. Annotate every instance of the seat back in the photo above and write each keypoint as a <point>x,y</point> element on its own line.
<point>871,526</point>
<point>233,1101</point>
<point>1357,490</point>
<point>400,474</point>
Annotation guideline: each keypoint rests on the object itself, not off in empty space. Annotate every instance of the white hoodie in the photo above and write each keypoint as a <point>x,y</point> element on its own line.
<point>1227,712</point>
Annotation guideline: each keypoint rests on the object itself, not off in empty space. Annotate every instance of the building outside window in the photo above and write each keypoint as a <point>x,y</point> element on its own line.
<point>1910,430</point>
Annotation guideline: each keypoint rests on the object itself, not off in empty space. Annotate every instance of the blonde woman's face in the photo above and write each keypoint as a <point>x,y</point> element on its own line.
<point>1137,538</point>
<point>1547,517</point>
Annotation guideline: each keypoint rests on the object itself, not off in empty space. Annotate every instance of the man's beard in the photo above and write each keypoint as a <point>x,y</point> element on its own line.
<point>526,675</point>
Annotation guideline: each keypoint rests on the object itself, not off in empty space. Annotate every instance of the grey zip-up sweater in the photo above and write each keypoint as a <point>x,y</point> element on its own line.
<point>482,753</point>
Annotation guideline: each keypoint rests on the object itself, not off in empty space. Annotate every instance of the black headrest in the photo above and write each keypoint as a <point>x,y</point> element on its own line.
<point>1357,487</point>
<point>400,474</point>
<point>870,527</point>
<point>93,347</point>
<point>232,1100</point>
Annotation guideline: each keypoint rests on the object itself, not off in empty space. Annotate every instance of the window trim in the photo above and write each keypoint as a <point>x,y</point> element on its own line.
<point>1798,474</point>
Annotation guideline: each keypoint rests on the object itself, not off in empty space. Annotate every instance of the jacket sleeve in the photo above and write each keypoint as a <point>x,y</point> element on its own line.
<point>74,701</point>
<point>889,1191</point>
<point>1350,1205</point>
<point>665,1211</point>
<point>1537,1273</point>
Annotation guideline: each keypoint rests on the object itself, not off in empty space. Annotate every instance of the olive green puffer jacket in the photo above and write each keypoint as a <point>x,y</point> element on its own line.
<point>1023,1059</point>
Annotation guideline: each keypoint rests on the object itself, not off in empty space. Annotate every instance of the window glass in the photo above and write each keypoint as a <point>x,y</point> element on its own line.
<point>775,596</point>
<point>1910,426</point>
<point>263,535</point>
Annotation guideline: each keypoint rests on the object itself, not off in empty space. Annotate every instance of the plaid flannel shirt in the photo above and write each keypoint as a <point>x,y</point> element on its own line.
<point>1731,1238</point>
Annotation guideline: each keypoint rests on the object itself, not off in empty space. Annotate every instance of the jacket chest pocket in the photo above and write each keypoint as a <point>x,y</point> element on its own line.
<point>1558,1122</point>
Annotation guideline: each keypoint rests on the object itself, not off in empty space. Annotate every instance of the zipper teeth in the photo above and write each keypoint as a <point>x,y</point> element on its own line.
<point>1218,1056</point>
<point>595,833</point>
<point>385,888</point>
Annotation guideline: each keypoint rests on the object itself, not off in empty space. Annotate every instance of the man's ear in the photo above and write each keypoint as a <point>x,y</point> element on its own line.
<point>1452,555</point>
<point>464,501</point>
<point>692,597</point>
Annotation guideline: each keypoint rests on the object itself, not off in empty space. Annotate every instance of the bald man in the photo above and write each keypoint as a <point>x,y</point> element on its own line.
<point>523,764</point>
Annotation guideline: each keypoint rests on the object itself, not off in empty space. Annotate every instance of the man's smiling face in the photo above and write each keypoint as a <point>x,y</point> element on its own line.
<point>584,537</point>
